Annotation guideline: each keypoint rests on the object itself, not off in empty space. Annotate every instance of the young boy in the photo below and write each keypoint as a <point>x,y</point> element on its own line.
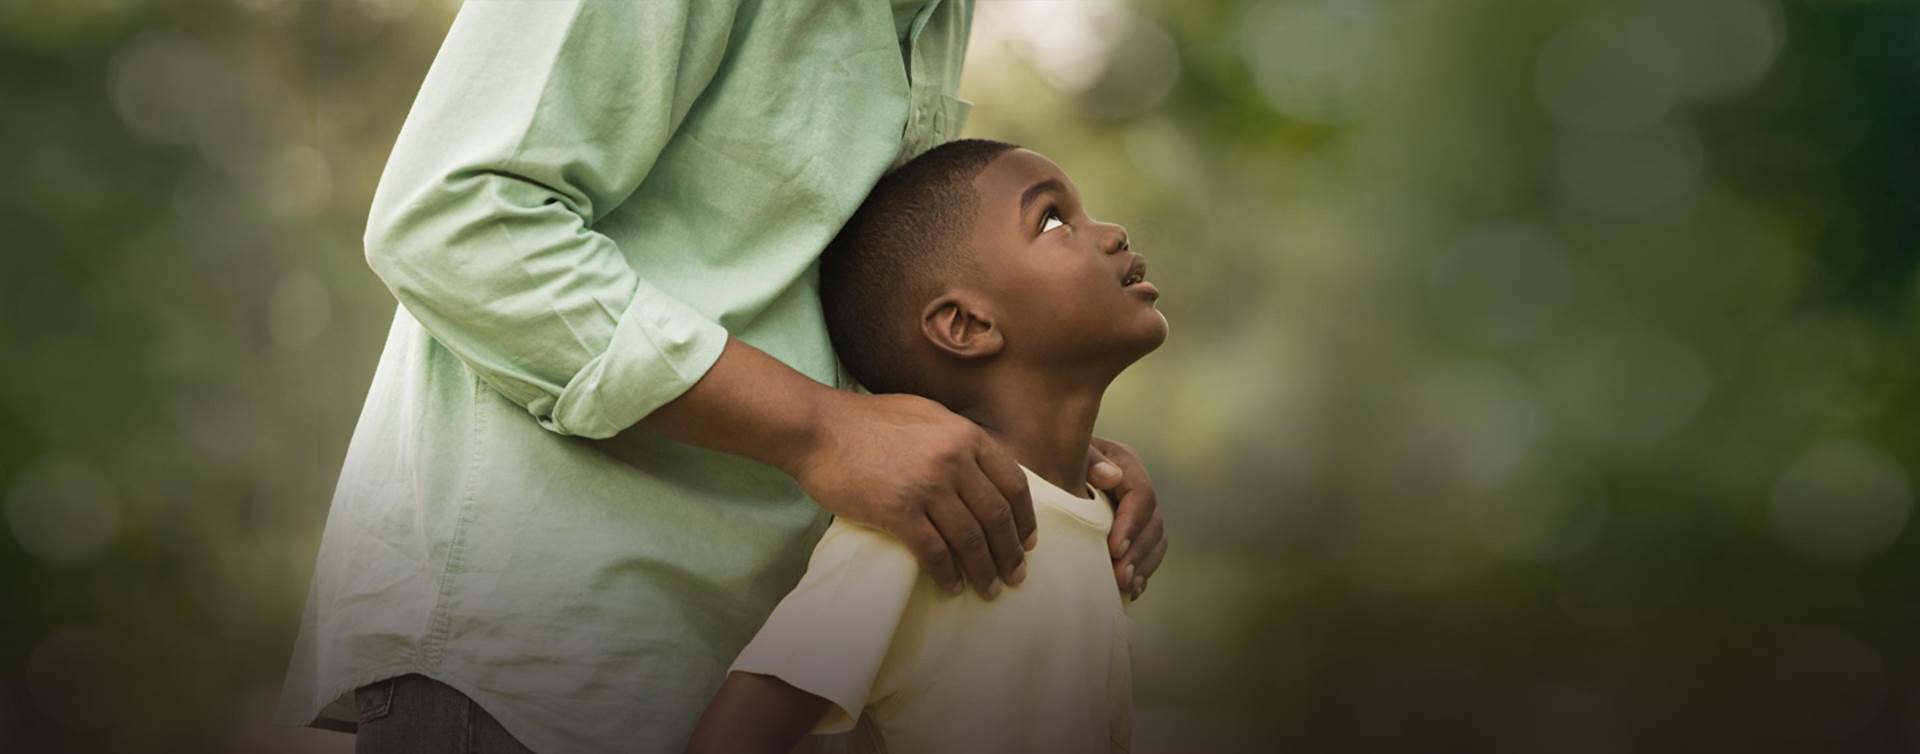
<point>971,276</point>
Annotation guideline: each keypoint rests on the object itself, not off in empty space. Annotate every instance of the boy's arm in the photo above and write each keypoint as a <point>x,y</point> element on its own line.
<point>823,655</point>
<point>755,713</point>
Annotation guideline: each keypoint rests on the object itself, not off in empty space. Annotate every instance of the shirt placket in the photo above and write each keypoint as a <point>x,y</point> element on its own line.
<point>927,121</point>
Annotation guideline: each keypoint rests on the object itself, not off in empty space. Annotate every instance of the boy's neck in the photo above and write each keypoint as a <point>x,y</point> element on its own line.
<point>1045,422</point>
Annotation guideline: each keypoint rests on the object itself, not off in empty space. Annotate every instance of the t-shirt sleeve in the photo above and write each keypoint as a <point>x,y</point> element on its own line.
<point>831,635</point>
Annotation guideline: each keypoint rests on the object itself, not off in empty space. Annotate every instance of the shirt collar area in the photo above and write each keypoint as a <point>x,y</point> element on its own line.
<point>1097,513</point>
<point>905,13</point>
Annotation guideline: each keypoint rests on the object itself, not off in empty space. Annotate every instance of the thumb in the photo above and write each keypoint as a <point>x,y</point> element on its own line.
<point>1104,473</point>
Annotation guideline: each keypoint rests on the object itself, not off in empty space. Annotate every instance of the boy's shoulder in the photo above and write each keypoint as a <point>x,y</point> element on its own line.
<point>845,537</point>
<point>858,553</point>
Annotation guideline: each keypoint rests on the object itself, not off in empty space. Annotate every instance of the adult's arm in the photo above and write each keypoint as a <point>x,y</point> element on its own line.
<point>536,119</point>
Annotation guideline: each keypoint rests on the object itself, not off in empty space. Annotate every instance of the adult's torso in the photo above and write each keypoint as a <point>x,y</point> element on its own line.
<point>591,593</point>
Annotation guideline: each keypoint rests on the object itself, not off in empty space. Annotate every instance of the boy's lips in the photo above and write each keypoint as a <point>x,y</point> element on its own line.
<point>1137,273</point>
<point>1136,270</point>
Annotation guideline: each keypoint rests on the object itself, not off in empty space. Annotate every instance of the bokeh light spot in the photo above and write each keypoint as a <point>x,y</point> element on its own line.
<point>1723,46</point>
<point>63,511</point>
<point>1139,73</point>
<point>160,83</point>
<point>1841,501</point>
<point>1313,61</point>
<point>1607,73</point>
<point>1066,43</point>
<point>1628,174</point>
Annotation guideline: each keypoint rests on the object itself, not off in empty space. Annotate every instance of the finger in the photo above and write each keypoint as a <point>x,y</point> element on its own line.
<point>1114,453</point>
<point>967,542</point>
<point>1101,470</point>
<point>1001,469</point>
<point>1130,518</point>
<point>928,547</point>
<point>1143,543</point>
<point>1135,502</point>
<point>995,518</point>
<point>1151,563</point>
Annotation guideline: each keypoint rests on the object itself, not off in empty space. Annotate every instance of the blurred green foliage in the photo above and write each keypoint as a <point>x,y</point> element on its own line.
<point>1542,375</point>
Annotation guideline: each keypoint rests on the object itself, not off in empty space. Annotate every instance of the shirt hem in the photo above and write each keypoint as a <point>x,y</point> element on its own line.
<point>314,716</point>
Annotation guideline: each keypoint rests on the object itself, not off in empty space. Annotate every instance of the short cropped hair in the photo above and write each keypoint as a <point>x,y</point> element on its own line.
<point>902,247</point>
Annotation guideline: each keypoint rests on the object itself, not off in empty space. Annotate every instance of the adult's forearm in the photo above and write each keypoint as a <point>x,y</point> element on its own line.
<point>748,404</point>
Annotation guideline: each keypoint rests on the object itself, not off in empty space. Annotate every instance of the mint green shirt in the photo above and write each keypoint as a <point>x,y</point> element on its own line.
<point>587,197</point>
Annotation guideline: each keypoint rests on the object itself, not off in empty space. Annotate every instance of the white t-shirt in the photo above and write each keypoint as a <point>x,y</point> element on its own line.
<point>909,669</point>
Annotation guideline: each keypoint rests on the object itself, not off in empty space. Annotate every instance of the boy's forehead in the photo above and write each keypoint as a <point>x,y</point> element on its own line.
<point>1010,173</point>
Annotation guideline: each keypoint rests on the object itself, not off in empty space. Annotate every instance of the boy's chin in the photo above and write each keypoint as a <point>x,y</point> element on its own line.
<point>1157,330</point>
<point>1146,339</point>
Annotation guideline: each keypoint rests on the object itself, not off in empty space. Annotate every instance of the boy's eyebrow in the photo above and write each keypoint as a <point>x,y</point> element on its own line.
<point>1045,185</point>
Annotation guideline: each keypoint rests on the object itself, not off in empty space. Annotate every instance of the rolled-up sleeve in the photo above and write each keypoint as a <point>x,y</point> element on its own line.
<point>536,119</point>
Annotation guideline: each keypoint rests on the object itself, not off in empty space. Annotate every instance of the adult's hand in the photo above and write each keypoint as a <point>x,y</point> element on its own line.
<point>900,463</point>
<point>1138,541</point>
<point>931,478</point>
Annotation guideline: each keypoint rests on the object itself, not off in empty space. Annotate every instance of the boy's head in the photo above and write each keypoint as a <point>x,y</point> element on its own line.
<point>976,256</point>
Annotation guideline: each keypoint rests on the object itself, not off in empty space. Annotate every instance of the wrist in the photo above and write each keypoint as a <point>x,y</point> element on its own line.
<point>752,405</point>
<point>817,407</point>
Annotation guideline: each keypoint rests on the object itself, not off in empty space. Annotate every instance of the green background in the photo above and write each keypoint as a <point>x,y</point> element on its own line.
<point>1542,375</point>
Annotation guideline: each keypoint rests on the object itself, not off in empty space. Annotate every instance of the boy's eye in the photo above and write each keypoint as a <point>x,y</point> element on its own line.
<point>1051,220</point>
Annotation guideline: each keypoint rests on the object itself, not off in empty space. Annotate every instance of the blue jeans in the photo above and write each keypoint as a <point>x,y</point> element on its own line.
<point>414,714</point>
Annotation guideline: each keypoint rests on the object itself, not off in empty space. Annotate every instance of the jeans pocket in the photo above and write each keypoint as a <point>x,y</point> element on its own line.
<point>375,700</point>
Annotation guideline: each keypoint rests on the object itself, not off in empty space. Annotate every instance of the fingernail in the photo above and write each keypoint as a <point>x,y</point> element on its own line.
<point>993,590</point>
<point>958,587</point>
<point>1033,539</point>
<point>1127,573</point>
<point>1139,583</point>
<point>1019,574</point>
<point>1106,468</point>
<point>1126,545</point>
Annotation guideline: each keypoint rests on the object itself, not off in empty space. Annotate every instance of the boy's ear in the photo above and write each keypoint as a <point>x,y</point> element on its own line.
<point>958,324</point>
